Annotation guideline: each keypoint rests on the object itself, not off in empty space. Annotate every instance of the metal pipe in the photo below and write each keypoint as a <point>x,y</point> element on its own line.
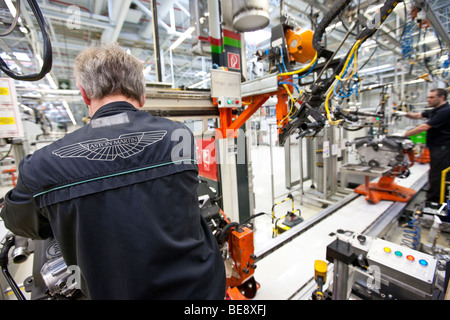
<point>125,6</point>
<point>98,7</point>
<point>340,280</point>
<point>156,47</point>
<point>300,151</point>
<point>434,21</point>
<point>271,163</point>
<point>215,28</point>
<point>214,19</point>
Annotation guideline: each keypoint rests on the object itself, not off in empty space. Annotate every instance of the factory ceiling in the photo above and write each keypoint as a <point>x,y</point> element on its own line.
<point>73,25</point>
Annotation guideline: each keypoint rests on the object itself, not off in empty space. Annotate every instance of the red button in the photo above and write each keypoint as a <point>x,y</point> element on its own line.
<point>410,257</point>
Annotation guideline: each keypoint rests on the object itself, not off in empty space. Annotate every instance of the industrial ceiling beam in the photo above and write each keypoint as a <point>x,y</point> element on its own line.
<point>434,21</point>
<point>118,10</point>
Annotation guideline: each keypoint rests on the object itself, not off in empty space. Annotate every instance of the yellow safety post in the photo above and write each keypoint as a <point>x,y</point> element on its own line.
<point>443,183</point>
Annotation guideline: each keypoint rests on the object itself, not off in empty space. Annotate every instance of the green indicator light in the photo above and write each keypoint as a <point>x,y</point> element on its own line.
<point>229,101</point>
<point>398,253</point>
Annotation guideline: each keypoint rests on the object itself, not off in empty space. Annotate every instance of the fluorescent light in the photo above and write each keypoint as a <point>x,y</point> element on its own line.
<point>39,59</point>
<point>12,9</point>
<point>147,70</point>
<point>258,36</point>
<point>333,26</point>
<point>200,74</point>
<point>48,76</point>
<point>182,37</point>
<point>198,84</point>
<point>374,8</point>
<point>382,67</point>
<point>5,56</point>
<point>21,56</point>
<point>51,81</point>
<point>69,112</point>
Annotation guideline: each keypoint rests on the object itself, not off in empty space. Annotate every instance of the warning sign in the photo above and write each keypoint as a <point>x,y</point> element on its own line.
<point>234,61</point>
<point>10,122</point>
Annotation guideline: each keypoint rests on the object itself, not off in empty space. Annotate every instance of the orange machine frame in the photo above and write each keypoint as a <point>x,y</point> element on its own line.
<point>300,49</point>
<point>386,188</point>
<point>230,123</point>
<point>240,242</point>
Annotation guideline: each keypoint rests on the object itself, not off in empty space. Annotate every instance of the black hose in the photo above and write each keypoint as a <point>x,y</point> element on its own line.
<point>252,217</point>
<point>47,58</point>
<point>224,233</point>
<point>15,20</point>
<point>352,129</point>
<point>4,266</point>
<point>337,8</point>
<point>4,252</point>
<point>14,287</point>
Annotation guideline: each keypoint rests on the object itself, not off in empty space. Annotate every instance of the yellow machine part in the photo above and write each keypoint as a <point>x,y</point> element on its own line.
<point>299,43</point>
<point>320,270</point>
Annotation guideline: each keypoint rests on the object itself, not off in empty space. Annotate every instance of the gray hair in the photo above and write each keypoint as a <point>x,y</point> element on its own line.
<point>107,70</point>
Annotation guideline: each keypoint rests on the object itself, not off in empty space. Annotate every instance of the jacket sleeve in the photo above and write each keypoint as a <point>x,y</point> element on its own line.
<point>21,215</point>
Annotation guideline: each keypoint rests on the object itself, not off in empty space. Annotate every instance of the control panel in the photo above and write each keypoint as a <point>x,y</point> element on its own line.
<point>228,102</point>
<point>226,88</point>
<point>403,263</point>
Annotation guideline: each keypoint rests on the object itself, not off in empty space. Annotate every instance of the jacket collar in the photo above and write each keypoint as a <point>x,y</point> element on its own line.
<point>113,108</point>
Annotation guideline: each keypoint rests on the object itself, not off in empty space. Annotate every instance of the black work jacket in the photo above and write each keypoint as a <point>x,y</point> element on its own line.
<point>120,197</point>
<point>439,120</point>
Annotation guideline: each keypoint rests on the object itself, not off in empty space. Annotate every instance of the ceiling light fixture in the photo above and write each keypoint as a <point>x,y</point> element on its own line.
<point>69,112</point>
<point>51,81</point>
<point>182,37</point>
<point>12,9</point>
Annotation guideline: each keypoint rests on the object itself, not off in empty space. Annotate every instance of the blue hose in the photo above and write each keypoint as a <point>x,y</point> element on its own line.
<point>411,235</point>
<point>407,40</point>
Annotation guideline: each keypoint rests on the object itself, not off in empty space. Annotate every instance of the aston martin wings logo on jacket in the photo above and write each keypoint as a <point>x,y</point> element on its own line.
<point>125,146</point>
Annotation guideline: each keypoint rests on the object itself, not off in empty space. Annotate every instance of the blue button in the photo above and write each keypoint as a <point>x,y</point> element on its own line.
<point>423,262</point>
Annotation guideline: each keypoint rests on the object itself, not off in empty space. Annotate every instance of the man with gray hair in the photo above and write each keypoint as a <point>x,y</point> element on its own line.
<point>119,201</point>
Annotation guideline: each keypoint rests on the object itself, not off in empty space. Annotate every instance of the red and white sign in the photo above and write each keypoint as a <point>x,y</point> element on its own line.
<point>206,159</point>
<point>234,61</point>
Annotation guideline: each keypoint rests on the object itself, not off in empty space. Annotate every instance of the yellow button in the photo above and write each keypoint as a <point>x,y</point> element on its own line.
<point>387,250</point>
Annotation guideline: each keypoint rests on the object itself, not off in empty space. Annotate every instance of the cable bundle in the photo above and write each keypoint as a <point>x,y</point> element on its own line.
<point>48,59</point>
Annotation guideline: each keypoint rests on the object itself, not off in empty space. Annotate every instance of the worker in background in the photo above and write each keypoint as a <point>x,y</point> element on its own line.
<point>438,138</point>
<point>119,195</point>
